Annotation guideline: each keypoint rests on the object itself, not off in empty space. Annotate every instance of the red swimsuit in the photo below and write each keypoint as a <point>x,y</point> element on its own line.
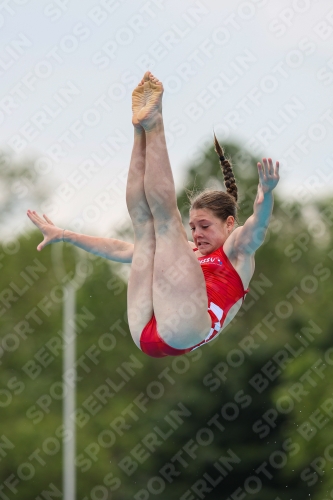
<point>224,288</point>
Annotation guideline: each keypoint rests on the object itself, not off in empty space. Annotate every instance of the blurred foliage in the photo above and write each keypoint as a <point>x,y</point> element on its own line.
<point>249,414</point>
<point>21,181</point>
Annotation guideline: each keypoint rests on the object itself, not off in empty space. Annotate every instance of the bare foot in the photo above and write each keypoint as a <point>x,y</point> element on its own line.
<point>151,111</point>
<point>138,102</point>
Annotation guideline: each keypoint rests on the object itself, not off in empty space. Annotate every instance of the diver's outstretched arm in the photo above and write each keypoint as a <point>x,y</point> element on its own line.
<point>248,238</point>
<point>109,248</point>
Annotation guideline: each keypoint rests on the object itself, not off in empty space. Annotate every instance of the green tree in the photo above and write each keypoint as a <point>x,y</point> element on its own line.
<point>228,418</point>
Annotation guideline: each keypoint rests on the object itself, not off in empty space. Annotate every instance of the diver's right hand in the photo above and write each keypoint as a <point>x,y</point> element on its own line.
<point>51,233</point>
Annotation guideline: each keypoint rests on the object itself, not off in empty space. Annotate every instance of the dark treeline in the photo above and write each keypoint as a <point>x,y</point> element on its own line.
<point>247,416</point>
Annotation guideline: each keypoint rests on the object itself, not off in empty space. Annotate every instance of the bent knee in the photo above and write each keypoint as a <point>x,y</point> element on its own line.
<point>180,333</point>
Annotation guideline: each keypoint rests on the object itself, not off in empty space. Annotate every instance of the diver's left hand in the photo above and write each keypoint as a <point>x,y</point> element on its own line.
<point>268,177</point>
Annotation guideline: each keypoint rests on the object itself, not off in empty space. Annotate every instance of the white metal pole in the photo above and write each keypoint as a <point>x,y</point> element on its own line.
<point>69,343</point>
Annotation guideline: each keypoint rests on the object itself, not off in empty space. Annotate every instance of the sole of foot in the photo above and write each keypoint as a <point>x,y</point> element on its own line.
<point>147,102</point>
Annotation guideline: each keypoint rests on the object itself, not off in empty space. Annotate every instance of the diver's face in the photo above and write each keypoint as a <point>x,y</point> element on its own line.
<point>208,231</point>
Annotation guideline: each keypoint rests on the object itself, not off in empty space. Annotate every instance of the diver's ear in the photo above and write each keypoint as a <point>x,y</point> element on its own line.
<point>230,222</point>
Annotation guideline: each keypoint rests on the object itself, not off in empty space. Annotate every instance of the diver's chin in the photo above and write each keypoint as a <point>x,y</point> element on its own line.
<point>204,248</point>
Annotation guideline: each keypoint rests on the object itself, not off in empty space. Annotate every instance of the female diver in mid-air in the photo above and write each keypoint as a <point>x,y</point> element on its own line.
<point>180,294</point>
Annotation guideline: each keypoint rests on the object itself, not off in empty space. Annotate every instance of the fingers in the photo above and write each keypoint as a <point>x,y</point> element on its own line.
<point>48,220</point>
<point>36,219</point>
<point>261,172</point>
<point>39,222</point>
<point>264,165</point>
<point>33,218</point>
<point>268,167</point>
<point>39,219</point>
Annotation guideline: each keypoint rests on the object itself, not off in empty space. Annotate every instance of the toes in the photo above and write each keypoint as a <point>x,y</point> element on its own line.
<point>155,80</point>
